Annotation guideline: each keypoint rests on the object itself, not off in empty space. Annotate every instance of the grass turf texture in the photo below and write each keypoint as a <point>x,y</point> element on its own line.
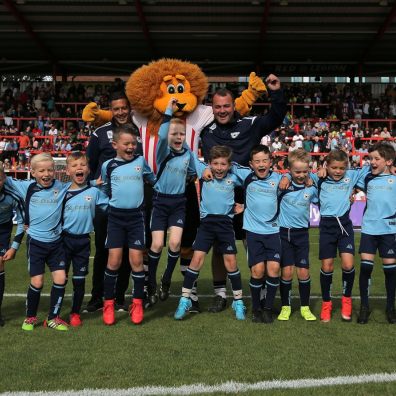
<point>205,348</point>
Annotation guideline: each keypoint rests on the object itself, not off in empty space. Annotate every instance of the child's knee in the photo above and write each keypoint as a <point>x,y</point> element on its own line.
<point>37,281</point>
<point>174,245</point>
<point>287,272</point>
<point>157,246</point>
<point>303,273</point>
<point>257,271</point>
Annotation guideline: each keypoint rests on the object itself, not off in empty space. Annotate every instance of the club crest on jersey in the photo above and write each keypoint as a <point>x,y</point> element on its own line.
<point>234,135</point>
<point>212,127</point>
<point>347,180</point>
<point>110,134</point>
<point>391,181</point>
<point>88,198</point>
<point>56,192</point>
<point>139,139</point>
<point>138,168</point>
<point>228,181</point>
<point>272,183</point>
<point>306,196</point>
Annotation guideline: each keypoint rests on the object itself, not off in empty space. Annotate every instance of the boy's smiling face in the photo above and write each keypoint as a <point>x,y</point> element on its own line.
<point>125,146</point>
<point>220,167</point>
<point>78,170</point>
<point>379,164</point>
<point>261,164</point>
<point>176,136</point>
<point>44,172</point>
<point>299,171</point>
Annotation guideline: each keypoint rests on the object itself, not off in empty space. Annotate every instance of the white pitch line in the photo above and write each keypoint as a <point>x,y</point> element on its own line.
<point>226,387</point>
<point>313,297</point>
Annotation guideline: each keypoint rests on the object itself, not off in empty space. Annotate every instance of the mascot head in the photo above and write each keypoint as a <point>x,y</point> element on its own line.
<point>150,87</point>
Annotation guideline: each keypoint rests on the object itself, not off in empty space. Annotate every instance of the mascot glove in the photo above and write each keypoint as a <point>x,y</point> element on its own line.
<point>256,85</point>
<point>92,113</point>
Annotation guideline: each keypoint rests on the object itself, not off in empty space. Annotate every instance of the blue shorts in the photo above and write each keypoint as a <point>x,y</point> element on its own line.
<point>168,211</point>
<point>295,247</point>
<point>216,228</point>
<point>77,251</point>
<point>5,237</point>
<point>126,227</point>
<point>263,247</point>
<point>386,245</point>
<point>39,253</point>
<point>331,237</point>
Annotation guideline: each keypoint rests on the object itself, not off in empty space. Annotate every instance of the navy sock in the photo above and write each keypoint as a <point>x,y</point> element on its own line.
<point>170,267</point>
<point>272,283</point>
<point>255,291</point>
<point>285,291</point>
<point>2,284</point>
<point>153,260</point>
<point>366,268</point>
<point>138,284</point>
<point>78,293</point>
<point>184,263</point>
<point>304,287</point>
<point>189,279</point>
<point>236,284</point>
<point>56,299</point>
<point>348,278</point>
<point>109,283</point>
<point>220,288</point>
<point>32,301</point>
<point>326,280</point>
<point>390,284</point>
<point>146,273</point>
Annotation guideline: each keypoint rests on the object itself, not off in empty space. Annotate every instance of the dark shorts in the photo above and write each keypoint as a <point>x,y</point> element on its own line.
<point>40,253</point>
<point>5,237</point>
<point>331,237</point>
<point>126,227</point>
<point>386,245</point>
<point>216,228</point>
<point>295,247</point>
<point>240,233</point>
<point>263,247</point>
<point>192,216</point>
<point>77,251</point>
<point>168,211</point>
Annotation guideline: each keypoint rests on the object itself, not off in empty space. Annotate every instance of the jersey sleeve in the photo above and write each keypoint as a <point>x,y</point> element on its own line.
<point>102,200</point>
<point>105,187</point>
<point>19,233</point>
<point>269,122</point>
<point>148,174</point>
<point>20,187</point>
<point>162,146</point>
<point>198,165</point>
<point>241,172</point>
<point>360,175</point>
<point>191,167</point>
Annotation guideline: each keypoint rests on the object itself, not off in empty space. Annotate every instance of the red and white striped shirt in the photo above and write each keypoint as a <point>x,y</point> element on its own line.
<point>195,122</point>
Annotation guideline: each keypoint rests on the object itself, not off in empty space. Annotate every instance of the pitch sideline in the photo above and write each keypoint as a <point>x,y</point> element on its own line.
<point>227,387</point>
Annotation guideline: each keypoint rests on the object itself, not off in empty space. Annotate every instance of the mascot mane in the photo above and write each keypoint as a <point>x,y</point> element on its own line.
<point>143,86</point>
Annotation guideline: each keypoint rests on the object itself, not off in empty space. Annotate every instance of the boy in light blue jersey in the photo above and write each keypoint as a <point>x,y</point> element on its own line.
<point>294,209</point>
<point>262,229</point>
<point>336,230</point>
<point>174,163</point>
<point>9,202</point>
<point>43,217</point>
<point>78,214</point>
<point>379,229</point>
<point>216,212</point>
<point>124,178</point>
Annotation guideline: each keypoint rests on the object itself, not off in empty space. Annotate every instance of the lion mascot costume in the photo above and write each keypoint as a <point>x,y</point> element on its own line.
<point>149,89</point>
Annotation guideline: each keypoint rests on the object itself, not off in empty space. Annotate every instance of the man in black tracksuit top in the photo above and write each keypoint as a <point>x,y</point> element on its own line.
<point>99,150</point>
<point>241,134</point>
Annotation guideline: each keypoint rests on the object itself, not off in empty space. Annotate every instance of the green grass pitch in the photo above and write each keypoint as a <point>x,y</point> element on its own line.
<point>204,348</point>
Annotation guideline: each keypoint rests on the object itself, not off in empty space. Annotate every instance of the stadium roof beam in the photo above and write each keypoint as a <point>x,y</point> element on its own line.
<point>380,33</point>
<point>9,4</point>
<point>263,34</point>
<point>145,28</point>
